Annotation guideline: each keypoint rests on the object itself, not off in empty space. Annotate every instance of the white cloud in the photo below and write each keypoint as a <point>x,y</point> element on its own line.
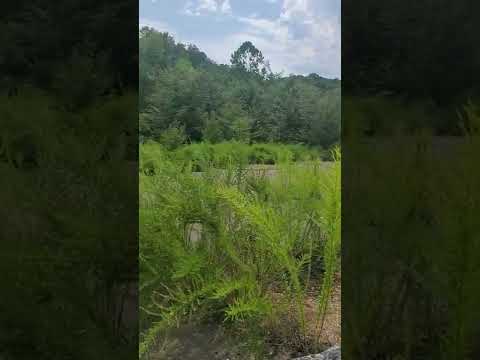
<point>273,29</point>
<point>285,54</point>
<point>315,49</point>
<point>207,5</point>
<point>226,7</point>
<point>202,7</point>
<point>305,37</point>
<point>189,9</point>
<point>295,8</point>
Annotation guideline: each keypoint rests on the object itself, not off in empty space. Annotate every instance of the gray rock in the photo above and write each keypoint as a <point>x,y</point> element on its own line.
<point>334,353</point>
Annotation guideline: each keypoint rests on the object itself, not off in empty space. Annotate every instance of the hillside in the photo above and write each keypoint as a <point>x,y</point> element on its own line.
<point>187,97</point>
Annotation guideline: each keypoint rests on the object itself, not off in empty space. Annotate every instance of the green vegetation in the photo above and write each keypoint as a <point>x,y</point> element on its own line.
<point>221,155</point>
<point>68,152</point>
<point>62,176</point>
<point>393,50</point>
<point>239,244</point>
<point>186,97</point>
<point>414,291</point>
<point>239,213</point>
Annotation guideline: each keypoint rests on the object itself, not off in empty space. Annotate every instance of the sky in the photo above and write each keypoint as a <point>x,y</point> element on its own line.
<point>296,36</point>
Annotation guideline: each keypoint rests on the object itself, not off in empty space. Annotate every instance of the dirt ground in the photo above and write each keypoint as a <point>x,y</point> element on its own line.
<point>200,342</point>
<point>213,342</point>
<point>331,332</point>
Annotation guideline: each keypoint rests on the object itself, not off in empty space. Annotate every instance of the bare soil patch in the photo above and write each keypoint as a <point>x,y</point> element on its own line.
<point>215,342</point>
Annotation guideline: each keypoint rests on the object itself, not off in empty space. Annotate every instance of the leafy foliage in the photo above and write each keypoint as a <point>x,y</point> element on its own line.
<point>180,87</point>
<point>255,232</point>
<point>45,168</point>
<point>417,231</point>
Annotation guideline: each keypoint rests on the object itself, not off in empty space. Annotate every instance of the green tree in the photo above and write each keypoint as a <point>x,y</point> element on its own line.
<point>244,101</point>
<point>249,59</point>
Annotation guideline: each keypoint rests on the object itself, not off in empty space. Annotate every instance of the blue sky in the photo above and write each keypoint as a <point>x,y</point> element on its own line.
<point>296,36</point>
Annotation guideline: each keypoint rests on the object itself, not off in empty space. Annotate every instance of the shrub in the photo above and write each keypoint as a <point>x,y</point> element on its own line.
<point>257,232</point>
<point>173,137</point>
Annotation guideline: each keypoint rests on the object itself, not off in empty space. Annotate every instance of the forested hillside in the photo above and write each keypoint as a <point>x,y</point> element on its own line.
<point>186,97</point>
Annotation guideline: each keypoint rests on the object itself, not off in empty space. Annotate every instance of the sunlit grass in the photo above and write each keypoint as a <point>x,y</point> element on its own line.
<point>255,232</point>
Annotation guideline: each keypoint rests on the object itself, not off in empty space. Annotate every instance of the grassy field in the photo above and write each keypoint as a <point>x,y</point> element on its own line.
<point>242,240</point>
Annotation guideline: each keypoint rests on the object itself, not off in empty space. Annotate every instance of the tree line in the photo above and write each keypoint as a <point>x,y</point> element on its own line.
<point>186,97</point>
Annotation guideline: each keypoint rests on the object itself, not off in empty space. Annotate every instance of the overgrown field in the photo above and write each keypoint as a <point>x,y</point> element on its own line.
<point>410,236</point>
<point>69,178</point>
<point>224,241</point>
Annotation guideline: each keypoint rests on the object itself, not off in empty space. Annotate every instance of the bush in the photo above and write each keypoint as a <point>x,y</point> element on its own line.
<point>173,137</point>
<point>200,156</point>
<point>251,232</point>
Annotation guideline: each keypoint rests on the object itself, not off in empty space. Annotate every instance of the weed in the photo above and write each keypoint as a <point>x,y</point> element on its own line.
<point>254,231</point>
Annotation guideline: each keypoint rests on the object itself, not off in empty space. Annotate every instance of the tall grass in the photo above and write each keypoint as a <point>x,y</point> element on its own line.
<point>414,293</point>
<point>63,253</point>
<point>259,234</point>
<point>227,154</point>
